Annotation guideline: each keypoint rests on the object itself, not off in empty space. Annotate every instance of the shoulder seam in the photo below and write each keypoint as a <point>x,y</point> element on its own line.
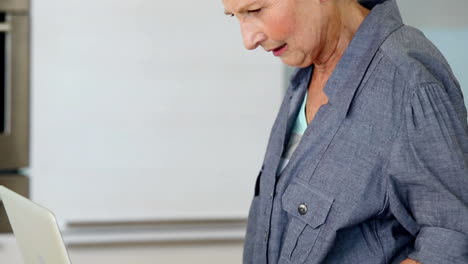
<point>419,86</point>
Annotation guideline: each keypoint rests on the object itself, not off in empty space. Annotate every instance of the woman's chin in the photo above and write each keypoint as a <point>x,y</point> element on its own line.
<point>294,62</point>
<point>289,61</point>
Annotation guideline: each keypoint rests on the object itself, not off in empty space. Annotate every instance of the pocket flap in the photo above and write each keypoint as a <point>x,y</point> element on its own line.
<point>306,204</point>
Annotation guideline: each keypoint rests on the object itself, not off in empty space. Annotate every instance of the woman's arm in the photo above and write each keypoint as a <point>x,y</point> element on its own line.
<point>428,171</point>
<point>410,261</point>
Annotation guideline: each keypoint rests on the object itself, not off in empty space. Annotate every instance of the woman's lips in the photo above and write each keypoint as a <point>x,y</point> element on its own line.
<point>280,50</point>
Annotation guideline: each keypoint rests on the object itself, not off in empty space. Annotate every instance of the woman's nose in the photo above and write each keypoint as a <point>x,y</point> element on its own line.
<point>252,36</point>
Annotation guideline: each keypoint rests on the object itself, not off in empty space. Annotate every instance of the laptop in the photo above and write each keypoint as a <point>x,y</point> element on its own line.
<point>36,230</point>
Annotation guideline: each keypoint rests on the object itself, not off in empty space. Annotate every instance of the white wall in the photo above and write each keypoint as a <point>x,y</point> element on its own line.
<point>146,110</point>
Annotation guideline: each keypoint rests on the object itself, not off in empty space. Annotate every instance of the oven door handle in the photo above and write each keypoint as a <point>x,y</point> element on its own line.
<point>5,27</point>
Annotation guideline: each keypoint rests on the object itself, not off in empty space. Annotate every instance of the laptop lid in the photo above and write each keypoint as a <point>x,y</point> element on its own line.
<point>36,231</point>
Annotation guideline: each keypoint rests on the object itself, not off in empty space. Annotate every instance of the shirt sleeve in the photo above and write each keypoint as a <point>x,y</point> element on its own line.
<point>428,176</point>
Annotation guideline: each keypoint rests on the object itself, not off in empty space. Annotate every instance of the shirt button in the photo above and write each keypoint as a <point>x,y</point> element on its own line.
<point>266,236</point>
<point>302,209</point>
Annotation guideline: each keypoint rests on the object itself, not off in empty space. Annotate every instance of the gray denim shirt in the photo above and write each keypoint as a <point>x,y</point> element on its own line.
<point>381,174</point>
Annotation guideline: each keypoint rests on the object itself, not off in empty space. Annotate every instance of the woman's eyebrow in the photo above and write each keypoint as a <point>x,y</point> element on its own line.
<point>243,8</point>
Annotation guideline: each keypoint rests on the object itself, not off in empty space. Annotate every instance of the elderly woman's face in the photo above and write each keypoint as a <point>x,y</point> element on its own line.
<point>294,30</point>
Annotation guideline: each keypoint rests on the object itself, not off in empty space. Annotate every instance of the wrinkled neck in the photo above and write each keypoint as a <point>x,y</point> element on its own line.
<point>341,30</point>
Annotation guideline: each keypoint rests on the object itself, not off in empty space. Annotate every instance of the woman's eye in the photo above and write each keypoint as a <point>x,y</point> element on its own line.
<point>254,10</point>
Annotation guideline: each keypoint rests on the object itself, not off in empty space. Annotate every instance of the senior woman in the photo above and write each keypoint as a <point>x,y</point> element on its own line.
<point>380,173</point>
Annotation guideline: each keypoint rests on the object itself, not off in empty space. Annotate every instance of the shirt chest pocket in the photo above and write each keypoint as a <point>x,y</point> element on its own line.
<point>307,211</point>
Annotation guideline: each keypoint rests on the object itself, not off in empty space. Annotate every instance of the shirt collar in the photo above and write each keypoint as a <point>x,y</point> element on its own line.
<point>382,21</point>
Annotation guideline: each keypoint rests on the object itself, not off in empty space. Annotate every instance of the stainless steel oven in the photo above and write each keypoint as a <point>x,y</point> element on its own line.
<point>14,84</point>
<point>14,98</point>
